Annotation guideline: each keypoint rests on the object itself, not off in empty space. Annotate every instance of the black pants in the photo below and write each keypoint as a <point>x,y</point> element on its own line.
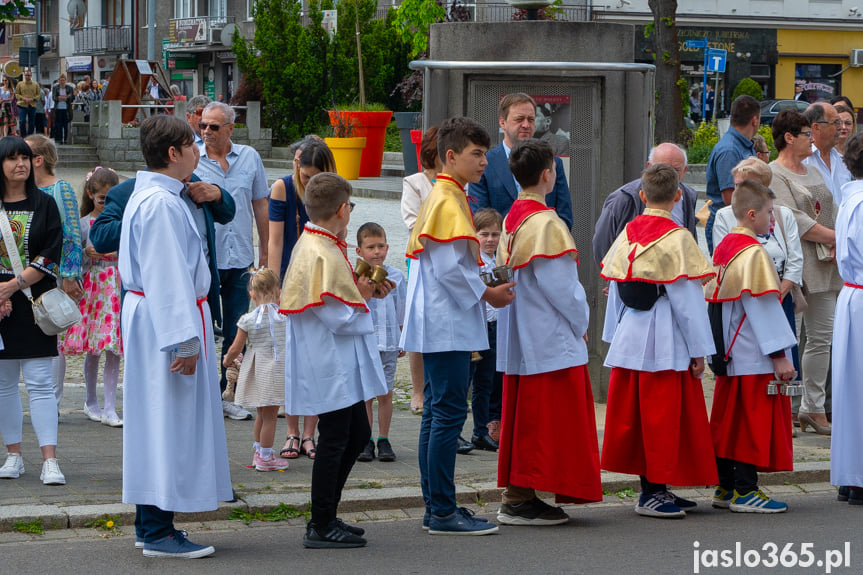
<point>342,435</point>
<point>651,488</point>
<point>61,120</point>
<point>152,523</point>
<point>736,475</point>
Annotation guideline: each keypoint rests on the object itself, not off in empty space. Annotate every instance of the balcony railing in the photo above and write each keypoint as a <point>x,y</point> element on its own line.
<point>102,40</point>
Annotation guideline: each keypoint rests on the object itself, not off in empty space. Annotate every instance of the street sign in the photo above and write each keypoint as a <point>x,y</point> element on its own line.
<point>695,43</point>
<point>716,60</point>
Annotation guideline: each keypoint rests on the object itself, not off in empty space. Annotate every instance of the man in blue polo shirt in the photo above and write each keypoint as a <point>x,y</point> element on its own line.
<point>734,146</point>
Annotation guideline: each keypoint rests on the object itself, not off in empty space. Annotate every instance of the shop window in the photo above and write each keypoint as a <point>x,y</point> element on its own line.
<point>818,81</point>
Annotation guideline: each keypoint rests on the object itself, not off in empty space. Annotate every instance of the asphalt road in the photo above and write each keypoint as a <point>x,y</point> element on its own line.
<point>603,539</point>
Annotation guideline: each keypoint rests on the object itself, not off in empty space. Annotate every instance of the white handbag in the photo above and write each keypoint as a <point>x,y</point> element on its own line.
<point>54,311</point>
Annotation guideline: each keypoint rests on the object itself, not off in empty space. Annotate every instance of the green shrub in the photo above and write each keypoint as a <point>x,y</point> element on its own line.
<point>749,87</point>
<point>703,140</point>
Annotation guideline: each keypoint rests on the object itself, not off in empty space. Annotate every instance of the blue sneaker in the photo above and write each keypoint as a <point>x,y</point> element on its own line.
<point>461,522</point>
<point>756,502</point>
<point>139,543</point>
<point>659,504</point>
<point>722,497</point>
<point>427,517</point>
<point>177,546</point>
<point>685,504</point>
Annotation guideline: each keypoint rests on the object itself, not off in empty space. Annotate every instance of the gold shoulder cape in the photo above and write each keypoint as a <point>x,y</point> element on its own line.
<point>318,268</point>
<point>742,266</point>
<point>537,234</point>
<point>655,251</point>
<point>444,217</point>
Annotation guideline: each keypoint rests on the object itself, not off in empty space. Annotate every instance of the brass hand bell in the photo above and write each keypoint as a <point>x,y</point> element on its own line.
<point>376,274</point>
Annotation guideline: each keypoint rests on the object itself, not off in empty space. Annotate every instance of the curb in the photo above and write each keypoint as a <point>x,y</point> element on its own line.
<point>353,500</point>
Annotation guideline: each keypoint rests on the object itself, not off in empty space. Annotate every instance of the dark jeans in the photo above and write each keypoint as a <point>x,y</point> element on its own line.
<point>736,475</point>
<point>342,435</point>
<point>61,121</point>
<point>235,302</point>
<point>40,123</point>
<point>487,386</point>
<point>152,523</point>
<point>788,308</point>
<point>444,412</point>
<point>26,120</point>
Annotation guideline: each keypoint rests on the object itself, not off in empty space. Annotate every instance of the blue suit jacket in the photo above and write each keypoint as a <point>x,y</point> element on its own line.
<point>496,189</point>
<point>105,231</point>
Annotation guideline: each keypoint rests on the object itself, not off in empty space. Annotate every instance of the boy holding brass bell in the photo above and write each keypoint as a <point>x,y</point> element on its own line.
<point>332,366</point>
<point>751,407</point>
<point>548,433</point>
<point>388,315</point>
<point>444,318</point>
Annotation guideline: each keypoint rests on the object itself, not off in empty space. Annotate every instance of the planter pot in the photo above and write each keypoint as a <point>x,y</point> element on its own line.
<point>416,141</point>
<point>373,127</point>
<point>348,153</point>
<point>408,122</point>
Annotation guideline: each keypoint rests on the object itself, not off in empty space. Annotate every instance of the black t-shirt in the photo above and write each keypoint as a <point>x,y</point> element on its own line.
<point>38,232</point>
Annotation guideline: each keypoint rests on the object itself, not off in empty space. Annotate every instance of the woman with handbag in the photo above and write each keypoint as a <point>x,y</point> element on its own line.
<point>32,235</point>
<point>803,190</point>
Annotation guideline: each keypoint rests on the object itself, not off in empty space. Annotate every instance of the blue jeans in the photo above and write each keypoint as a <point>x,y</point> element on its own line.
<point>26,120</point>
<point>444,412</point>
<point>235,302</point>
<point>152,523</point>
<point>487,386</point>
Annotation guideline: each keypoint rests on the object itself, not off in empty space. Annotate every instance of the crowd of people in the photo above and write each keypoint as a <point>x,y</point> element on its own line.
<point>492,300</point>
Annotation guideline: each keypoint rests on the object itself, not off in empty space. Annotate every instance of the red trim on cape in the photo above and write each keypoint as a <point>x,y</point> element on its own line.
<point>520,211</point>
<point>657,282</point>
<point>645,229</point>
<point>451,179</point>
<point>731,245</point>
<point>320,303</point>
<point>548,257</point>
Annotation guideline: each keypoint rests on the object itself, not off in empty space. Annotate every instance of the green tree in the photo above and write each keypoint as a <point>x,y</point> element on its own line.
<point>413,19</point>
<point>749,87</point>
<point>13,10</point>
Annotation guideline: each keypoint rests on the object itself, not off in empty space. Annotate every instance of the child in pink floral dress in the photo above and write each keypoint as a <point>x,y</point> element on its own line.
<point>99,330</point>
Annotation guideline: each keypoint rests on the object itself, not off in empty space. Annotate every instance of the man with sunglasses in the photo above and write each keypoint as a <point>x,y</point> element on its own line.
<point>825,133</point>
<point>194,108</point>
<point>239,170</point>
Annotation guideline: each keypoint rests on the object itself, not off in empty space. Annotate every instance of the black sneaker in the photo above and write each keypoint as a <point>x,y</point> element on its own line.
<point>484,442</point>
<point>350,528</point>
<point>368,453</point>
<point>532,512</point>
<point>385,450</point>
<point>464,446</point>
<point>331,537</point>
<point>855,496</point>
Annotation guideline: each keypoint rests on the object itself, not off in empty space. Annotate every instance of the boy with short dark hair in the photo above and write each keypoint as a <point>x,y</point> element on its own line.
<point>388,316</point>
<point>748,423</point>
<point>486,381</point>
<point>656,322</point>
<point>174,452</point>
<point>327,313</point>
<point>548,438</point>
<point>444,318</point>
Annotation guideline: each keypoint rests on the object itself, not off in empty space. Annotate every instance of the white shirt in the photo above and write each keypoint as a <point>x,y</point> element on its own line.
<point>836,176</point>
<point>848,190</point>
<point>415,189</point>
<point>388,314</point>
<point>444,309</point>
<point>543,329</point>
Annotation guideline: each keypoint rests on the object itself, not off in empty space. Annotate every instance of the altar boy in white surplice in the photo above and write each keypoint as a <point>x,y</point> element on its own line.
<point>174,451</point>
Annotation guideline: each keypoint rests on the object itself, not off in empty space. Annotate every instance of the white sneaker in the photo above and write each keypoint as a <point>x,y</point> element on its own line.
<point>234,411</point>
<point>14,466</point>
<point>51,474</point>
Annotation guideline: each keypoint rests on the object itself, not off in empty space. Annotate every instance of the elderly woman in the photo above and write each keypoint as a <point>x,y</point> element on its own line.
<point>287,218</point>
<point>802,189</point>
<point>38,235</point>
<point>848,129</point>
<point>846,464</point>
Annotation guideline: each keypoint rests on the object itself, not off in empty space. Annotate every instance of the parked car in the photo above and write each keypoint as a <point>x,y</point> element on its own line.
<point>770,108</point>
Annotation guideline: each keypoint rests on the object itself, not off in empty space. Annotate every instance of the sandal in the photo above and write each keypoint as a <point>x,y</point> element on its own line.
<point>310,452</point>
<point>290,452</point>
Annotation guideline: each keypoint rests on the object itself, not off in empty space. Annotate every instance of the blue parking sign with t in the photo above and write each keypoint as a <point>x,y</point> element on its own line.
<point>716,60</point>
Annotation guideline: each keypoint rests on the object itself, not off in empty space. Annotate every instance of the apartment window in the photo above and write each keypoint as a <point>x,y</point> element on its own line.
<point>250,9</point>
<point>184,9</point>
<point>218,10</point>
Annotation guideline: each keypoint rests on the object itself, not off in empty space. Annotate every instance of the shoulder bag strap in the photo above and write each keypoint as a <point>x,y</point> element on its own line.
<point>12,248</point>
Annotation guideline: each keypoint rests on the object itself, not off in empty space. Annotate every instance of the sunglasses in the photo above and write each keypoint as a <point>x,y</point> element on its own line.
<point>215,127</point>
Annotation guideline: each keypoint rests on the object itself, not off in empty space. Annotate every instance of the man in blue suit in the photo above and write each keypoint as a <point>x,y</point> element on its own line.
<point>209,203</point>
<point>497,188</point>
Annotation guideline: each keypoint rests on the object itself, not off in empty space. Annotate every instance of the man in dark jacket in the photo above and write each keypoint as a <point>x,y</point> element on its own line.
<point>208,203</point>
<point>622,205</point>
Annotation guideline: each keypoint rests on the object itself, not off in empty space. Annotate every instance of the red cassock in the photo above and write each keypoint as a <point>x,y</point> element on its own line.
<point>750,426</point>
<point>548,435</point>
<point>656,425</point>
